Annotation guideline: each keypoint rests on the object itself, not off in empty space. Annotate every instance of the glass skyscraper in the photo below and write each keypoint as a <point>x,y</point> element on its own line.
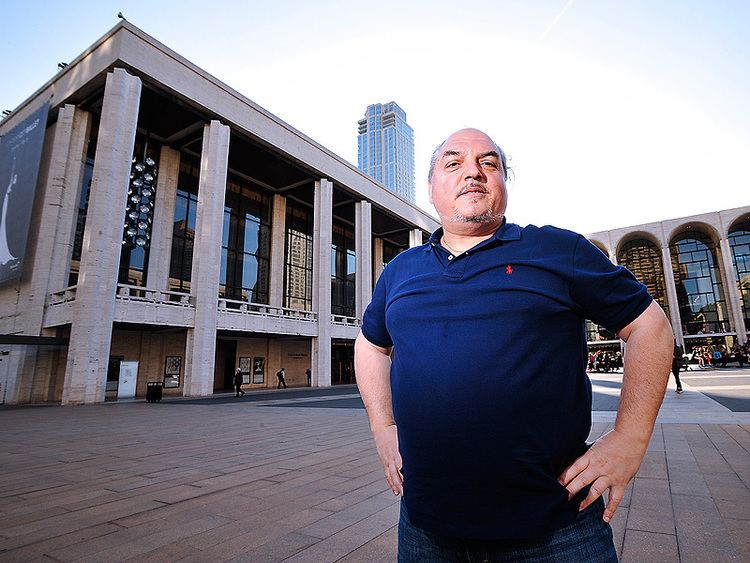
<point>386,148</point>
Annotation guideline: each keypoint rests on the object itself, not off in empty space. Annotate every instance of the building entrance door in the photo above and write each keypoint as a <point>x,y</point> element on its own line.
<point>342,363</point>
<point>113,378</point>
<point>226,354</point>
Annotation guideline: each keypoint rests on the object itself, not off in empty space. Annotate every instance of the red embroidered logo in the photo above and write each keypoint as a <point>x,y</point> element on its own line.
<point>509,269</point>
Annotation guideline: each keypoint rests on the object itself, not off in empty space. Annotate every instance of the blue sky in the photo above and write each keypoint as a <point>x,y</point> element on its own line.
<point>620,113</point>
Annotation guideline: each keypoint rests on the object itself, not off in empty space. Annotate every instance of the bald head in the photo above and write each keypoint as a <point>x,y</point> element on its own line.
<point>438,152</point>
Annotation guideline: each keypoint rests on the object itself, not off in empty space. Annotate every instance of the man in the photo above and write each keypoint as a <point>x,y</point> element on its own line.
<point>280,377</point>
<point>471,364</point>
<point>238,383</point>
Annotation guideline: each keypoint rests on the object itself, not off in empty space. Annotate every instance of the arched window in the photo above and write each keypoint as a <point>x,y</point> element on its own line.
<point>643,258</point>
<point>697,279</point>
<point>739,243</point>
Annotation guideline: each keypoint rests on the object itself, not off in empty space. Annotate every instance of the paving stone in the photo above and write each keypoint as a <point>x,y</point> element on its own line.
<point>651,507</point>
<point>701,531</point>
<point>739,534</point>
<point>300,484</point>
<point>382,549</point>
<point>649,547</point>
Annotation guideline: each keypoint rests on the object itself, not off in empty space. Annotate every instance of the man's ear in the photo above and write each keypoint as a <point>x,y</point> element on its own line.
<point>429,192</point>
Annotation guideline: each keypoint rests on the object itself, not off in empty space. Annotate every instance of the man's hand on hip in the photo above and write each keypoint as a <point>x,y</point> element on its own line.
<point>610,463</point>
<point>386,441</point>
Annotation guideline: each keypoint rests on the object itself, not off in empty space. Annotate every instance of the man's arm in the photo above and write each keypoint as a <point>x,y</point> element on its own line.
<point>372,366</point>
<point>615,458</point>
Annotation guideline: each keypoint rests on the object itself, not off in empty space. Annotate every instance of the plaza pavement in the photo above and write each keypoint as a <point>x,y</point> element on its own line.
<point>293,476</point>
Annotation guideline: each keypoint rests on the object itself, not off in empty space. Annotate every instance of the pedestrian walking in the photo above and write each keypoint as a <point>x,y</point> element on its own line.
<point>676,365</point>
<point>238,382</point>
<point>280,377</point>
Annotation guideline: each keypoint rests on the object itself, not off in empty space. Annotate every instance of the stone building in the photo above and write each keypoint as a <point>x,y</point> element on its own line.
<point>179,225</point>
<point>697,268</point>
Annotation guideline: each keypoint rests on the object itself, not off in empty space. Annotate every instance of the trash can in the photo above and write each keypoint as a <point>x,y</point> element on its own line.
<point>154,391</point>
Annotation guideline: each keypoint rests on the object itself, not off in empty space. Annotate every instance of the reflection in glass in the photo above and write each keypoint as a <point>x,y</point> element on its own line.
<point>342,277</point>
<point>739,243</point>
<point>246,242</point>
<point>298,257</point>
<point>700,294</point>
<point>644,259</point>
<point>183,232</point>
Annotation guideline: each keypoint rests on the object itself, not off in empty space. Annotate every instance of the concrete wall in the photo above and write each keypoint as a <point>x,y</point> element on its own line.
<point>150,350</point>
<point>291,354</point>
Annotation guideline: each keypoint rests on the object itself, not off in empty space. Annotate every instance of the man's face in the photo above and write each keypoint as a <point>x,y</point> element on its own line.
<point>468,185</point>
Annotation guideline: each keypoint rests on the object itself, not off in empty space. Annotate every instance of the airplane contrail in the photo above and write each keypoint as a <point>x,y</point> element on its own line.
<point>561,14</point>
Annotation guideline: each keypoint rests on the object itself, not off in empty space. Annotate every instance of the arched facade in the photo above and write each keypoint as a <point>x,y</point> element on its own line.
<point>698,280</point>
<point>697,268</point>
<point>642,256</point>
<point>739,244</point>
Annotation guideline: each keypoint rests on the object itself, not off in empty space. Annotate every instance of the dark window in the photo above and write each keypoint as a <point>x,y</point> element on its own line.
<point>83,202</point>
<point>390,251</point>
<point>739,243</point>
<point>245,243</point>
<point>183,233</point>
<point>343,261</point>
<point>83,206</point>
<point>700,295</point>
<point>643,258</point>
<point>298,257</point>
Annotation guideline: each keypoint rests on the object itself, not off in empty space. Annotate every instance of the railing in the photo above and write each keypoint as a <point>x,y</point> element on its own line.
<point>341,320</point>
<point>146,295</point>
<point>259,309</point>
<point>62,296</point>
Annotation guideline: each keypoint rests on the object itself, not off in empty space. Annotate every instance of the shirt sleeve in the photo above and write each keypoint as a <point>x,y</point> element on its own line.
<point>607,294</point>
<point>373,323</point>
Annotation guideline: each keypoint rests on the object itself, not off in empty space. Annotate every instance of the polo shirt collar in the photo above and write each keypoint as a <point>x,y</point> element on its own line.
<point>504,233</point>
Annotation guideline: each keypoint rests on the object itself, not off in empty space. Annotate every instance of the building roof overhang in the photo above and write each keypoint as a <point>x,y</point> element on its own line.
<point>127,46</point>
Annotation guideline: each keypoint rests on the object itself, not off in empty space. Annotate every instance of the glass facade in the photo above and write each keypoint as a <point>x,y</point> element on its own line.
<point>343,271</point>
<point>390,251</point>
<point>644,259</point>
<point>739,243</point>
<point>245,243</point>
<point>596,333</point>
<point>298,257</point>
<point>183,232</point>
<point>83,203</point>
<point>385,148</point>
<point>83,206</point>
<point>700,294</point>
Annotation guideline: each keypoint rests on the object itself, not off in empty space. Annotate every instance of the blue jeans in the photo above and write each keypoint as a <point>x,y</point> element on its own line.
<point>587,539</point>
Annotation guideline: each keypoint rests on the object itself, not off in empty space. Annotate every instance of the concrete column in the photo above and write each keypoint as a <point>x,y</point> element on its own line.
<point>731,291</point>
<point>278,239</point>
<point>415,238</point>
<point>322,240</point>
<point>160,253</point>
<point>204,286</point>
<point>64,183</point>
<point>91,327</point>
<point>674,307</point>
<point>363,250</point>
<point>377,259</point>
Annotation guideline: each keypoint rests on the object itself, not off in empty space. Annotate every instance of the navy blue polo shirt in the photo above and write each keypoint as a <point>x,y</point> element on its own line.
<point>488,374</point>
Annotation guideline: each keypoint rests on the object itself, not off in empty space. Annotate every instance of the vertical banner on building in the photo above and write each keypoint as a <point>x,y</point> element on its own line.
<point>20,153</point>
